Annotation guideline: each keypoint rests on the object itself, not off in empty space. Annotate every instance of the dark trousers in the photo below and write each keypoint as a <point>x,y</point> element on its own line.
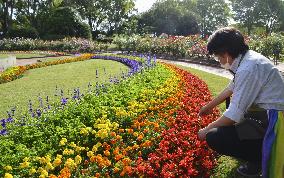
<point>225,141</point>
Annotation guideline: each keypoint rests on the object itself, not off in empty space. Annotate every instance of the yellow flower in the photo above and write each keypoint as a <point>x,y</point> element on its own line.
<point>32,171</point>
<point>59,156</point>
<point>49,166</point>
<point>62,141</point>
<point>70,163</point>
<point>26,159</point>
<point>78,159</point>
<point>8,168</point>
<point>84,131</point>
<point>57,162</point>
<point>42,160</point>
<point>95,149</point>
<point>24,165</point>
<point>40,169</point>
<point>102,133</point>
<point>68,152</point>
<point>47,159</point>
<point>72,144</point>
<point>7,175</point>
<point>44,173</point>
<point>90,154</point>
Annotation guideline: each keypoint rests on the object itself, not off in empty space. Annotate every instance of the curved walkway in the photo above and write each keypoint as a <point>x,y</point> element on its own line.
<point>213,70</point>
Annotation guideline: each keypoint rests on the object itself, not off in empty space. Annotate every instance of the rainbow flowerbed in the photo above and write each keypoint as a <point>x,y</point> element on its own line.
<point>143,124</point>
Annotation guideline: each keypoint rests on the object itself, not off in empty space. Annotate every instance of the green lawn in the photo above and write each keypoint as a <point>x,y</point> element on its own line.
<point>43,81</point>
<point>226,165</point>
<point>21,55</point>
<point>49,59</point>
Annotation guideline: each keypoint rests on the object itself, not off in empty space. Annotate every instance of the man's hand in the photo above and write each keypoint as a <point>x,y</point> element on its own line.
<point>205,110</point>
<point>202,134</point>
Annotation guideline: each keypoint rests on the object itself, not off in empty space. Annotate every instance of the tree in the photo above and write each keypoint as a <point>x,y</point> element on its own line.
<point>118,12</point>
<point>65,21</point>
<point>213,14</point>
<point>246,12</point>
<point>171,17</point>
<point>270,11</point>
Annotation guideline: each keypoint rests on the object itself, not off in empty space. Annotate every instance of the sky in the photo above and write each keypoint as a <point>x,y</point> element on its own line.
<point>144,5</point>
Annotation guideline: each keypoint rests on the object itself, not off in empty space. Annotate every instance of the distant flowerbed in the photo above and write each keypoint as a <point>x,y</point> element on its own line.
<point>16,72</point>
<point>143,123</point>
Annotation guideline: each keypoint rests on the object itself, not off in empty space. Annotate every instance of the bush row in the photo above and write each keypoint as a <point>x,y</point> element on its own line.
<point>71,45</point>
<point>195,46</point>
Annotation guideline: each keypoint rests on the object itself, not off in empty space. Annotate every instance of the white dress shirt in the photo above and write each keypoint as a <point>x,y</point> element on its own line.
<point>257,82</point>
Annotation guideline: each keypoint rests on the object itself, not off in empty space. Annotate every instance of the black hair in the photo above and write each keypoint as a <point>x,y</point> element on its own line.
<point>228,40</point>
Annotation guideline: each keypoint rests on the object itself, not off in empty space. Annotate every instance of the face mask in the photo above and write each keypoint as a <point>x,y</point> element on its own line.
<point>226,66</point>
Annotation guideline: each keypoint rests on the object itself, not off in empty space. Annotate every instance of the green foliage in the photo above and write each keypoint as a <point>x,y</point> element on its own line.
<point>65,21</point>
<point>73,45</point>
<point>41,136</point>
<point>25,31</point>
<point>213,14</point>
<point>171,17</point>
<point>271,46</point>
<point>257,13</point>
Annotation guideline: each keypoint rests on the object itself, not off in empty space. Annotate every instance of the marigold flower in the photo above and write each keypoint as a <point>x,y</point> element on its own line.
<point>32,171</point>
<point>107,153</point>
<point>24,165</point>
<point>90,154</point>
<point>116,170</point>
<point>84,131</point>
<point>62,141</point>
<point>52,176</point>
<point>140,137</point>
<point>78,159</point>
<point>8,168</point>
<point>72,144</point>
<point>57,162</point>
<point>70,163</point>
<point>49,166</point>
<point>26,159</point>
<point>44,173</point>
<point>7,175</point>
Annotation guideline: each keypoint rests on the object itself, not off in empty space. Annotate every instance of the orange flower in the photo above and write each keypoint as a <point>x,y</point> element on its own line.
<point>115,170</point>
<point>64,173</point>
<point>113,134</point>
<point>118,157</point>
<point>116,151</point>
<point>140,137</point>
<point>107,153</point>
<point>130,131</point>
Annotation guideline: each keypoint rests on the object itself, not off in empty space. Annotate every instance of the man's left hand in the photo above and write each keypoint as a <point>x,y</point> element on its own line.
<point>202,134</point>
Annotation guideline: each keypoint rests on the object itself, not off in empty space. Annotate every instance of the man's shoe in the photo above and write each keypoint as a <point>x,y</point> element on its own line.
<point>250,170</point>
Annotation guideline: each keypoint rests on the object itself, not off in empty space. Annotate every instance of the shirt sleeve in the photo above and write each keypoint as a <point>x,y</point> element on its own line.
<point>231,85</point>
<point>246,89</point>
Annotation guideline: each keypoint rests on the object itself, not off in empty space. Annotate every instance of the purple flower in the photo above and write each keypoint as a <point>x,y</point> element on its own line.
<point>38,112</point>
<point>3,132</point>
<point>64,101</point>
<point>3,122</point>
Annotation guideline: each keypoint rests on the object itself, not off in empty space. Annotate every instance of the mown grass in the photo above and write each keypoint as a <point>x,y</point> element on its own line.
<point>49,59</point>
<point>43,82</point>
<point>227,166</point>
<point>21,55</point>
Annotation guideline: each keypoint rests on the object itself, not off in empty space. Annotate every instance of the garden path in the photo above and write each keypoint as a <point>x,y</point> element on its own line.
<point>213,70</point>
<point>217,71</point>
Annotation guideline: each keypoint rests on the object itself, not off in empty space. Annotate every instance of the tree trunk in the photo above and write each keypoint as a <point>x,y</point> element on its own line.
<point>5,17</point>
<point>90,22</point>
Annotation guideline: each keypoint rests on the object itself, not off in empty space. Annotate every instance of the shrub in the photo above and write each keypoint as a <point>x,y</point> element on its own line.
<point>25,31</point>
